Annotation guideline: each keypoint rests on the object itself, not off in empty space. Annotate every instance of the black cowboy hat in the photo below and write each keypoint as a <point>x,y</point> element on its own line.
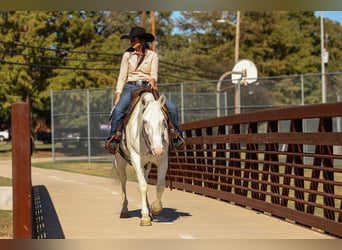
<point>140,33</point>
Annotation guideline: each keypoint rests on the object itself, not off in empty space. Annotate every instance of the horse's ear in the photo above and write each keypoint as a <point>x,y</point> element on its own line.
<point>144,101</point>
<point>161,100</point>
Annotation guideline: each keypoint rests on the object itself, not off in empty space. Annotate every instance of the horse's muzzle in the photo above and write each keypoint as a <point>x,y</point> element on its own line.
<point>158,151</point>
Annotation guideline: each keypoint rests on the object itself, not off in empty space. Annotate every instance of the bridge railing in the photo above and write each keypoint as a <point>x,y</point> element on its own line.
<point>271,161</point>
<point>34,216</point>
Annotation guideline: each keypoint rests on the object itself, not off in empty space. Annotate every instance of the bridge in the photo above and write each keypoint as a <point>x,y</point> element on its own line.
<point>88,207</point>
<point>239,177</point>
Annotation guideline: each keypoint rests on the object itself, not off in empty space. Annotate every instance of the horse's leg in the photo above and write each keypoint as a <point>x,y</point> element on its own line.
<point>121,171</point>
<point>145,218</point>
<point>147,169</point>
<point>157,206</point>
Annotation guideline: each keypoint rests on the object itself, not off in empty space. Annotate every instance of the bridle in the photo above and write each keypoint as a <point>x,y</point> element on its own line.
<point>147,137</point>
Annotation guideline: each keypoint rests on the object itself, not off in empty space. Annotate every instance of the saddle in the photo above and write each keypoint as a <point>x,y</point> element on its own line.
<point>135,97</point>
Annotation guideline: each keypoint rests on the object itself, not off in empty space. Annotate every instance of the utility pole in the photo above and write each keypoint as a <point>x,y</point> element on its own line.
<point>153,28</point>
<point>237,87</point>
<point>326,59</point>
<point>324,99</point>
<point>143,19</point>
<point>237,101</point>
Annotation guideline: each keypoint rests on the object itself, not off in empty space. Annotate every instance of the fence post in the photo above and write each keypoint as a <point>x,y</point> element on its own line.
<point>21,171</point>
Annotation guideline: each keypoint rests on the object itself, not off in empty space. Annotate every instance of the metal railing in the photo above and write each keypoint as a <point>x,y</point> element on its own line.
<point>260,160</point>
<point>21,171</point>
<point>264,160</point>
<point>34,216</point>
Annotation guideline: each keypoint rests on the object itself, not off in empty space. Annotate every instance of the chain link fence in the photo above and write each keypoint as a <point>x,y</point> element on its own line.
<point>80,117</point>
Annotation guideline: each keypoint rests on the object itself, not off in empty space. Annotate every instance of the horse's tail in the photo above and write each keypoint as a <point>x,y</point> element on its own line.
<point>115,173</point>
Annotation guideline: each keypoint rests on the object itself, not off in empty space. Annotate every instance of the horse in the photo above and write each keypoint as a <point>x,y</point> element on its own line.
<point>145,141</point>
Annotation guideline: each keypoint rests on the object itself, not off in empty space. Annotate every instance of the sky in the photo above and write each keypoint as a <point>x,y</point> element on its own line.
<point>332,15</point>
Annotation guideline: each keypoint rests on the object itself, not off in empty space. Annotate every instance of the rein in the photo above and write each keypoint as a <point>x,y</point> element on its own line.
<point>168,163</point>
<point>147,141</point>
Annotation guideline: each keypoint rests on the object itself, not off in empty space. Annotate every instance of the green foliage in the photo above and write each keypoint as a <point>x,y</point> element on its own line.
<point>42,51</point>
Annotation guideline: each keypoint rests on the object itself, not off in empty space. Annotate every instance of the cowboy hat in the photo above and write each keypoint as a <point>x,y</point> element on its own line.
<point>140,33</point>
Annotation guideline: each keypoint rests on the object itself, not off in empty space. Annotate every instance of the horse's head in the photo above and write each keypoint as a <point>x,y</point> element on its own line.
<point>154,124</point>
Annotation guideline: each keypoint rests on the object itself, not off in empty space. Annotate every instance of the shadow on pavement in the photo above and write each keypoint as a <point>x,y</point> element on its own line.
<point>167,215</point>
<point>46,224</point>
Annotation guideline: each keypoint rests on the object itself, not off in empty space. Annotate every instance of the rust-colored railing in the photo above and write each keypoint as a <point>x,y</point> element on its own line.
<point>21,171</point>
<point>34,216</point>
<point>283,162</point>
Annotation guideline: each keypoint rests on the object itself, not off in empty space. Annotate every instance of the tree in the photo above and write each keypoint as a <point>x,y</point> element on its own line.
<point>42,51</point>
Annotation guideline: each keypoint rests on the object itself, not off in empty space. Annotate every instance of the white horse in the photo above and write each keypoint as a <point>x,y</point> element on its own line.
<point>145,141</point>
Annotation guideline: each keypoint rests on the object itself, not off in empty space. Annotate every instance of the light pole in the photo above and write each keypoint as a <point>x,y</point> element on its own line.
<point>237,101</point>
<point>324,99</point>
<point>153,27</point>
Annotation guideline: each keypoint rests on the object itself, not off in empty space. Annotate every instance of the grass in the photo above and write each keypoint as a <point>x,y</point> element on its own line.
<point>6,224</point>
<point>5,181</point>
<point>41,150</point>
<point>6,217</point>
<point>102,169</point>
<point>7,146</point>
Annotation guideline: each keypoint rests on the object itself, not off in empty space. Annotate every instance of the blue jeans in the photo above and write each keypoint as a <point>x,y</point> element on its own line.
<point>125,99</point>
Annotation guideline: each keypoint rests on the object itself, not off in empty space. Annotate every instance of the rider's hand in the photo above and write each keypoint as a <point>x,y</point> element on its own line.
<point>117,98</point>
<point>153,84</point>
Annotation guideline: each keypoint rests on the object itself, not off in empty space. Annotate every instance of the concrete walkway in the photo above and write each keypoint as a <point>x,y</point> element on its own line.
<point>88,207</point>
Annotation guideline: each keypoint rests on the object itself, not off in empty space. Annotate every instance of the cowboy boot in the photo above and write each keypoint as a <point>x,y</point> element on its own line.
<point>113,143</point>
<point>177,140</point>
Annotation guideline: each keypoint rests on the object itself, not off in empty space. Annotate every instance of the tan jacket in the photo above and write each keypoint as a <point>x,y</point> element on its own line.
<point>147,70</point>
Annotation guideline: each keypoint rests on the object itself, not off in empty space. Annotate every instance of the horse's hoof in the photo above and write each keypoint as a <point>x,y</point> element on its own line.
<point>145,222</point>
<point>156,208</point>
<point>124,215</point>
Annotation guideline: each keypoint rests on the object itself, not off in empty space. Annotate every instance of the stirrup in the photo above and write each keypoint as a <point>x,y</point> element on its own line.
<point>177,140</point>
<point>114,139</point>
<point>179,143</point>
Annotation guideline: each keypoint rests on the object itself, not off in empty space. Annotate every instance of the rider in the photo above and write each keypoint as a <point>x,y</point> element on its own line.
<point>139,68</point>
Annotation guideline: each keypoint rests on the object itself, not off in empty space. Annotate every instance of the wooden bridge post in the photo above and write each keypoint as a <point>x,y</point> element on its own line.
<point>21,171</point>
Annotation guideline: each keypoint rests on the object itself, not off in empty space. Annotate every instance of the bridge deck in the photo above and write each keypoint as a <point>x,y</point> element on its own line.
<point>88,208</point>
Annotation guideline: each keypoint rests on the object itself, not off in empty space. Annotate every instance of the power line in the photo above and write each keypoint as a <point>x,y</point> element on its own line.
<point>52,58</point>
<point>57,49</point>
<point>186,67</point>
<point>42,66</point>
<point>14,51</point>
<point>56,67</point>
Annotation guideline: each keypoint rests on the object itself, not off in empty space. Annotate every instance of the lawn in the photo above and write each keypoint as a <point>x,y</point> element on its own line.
<point>5,181</point>
<point>41,150</point>
<point>6,224</point>
<point>6,219</point>
<point>103,169</point>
